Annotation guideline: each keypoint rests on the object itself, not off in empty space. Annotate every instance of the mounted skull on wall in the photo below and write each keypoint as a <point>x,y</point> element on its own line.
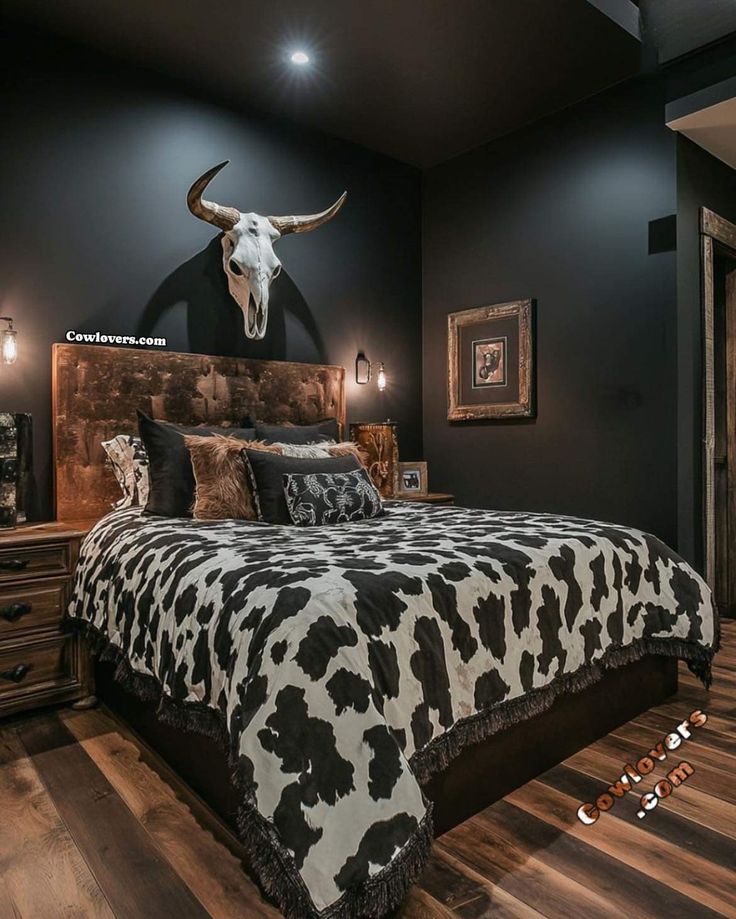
<point>247,248</point>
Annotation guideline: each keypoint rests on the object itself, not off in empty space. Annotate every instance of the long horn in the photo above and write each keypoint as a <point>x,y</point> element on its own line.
<point>307,222</point>
<point>223,217</point>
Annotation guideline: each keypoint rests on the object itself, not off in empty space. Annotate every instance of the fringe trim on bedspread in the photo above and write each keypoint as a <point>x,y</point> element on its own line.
<point>273,863</point>
<point>440,752</point>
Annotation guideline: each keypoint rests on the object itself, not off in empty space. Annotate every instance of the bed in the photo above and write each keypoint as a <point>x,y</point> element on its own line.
<point>355,689</point>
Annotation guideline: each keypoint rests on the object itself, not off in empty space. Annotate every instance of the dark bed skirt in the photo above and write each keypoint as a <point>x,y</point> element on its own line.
<point>479,775</point>
<point>485,772</point>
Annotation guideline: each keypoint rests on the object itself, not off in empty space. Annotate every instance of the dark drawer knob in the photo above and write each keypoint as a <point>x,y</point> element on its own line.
<point>13,564</point>
<point>13,612</point>
<point>17,674</point>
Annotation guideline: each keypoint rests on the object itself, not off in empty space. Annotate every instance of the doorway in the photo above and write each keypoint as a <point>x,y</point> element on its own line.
<point>718,238</point>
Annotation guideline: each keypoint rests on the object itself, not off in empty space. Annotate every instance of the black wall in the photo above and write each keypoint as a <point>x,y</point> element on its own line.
<point>702,181</point>
<point>95,233</point>
<point>560,212</point>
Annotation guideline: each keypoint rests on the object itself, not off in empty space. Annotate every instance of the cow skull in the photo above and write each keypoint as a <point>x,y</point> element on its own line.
<point>247,248</point>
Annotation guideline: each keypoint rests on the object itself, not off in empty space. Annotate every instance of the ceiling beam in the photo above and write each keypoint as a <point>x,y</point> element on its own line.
<point>704,98</point>
<point>623,12</point>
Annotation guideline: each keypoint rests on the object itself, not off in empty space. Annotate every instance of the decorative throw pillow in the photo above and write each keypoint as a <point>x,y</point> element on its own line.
<point>171,478</point>
<point>349,448</point>
<point>129,462</point>
<point>266,471</point>
<point>298,433</point>
<point>309,451</point>
<point>328,448</point>
<point>222,487</point>
<point>324,498</point>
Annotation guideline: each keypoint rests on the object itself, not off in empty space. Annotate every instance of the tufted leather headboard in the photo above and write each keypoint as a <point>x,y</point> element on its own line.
<point>96,391</point>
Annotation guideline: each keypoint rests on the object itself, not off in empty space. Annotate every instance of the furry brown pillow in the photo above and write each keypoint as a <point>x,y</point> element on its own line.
<point>222,489</point>
<point>347,448</point>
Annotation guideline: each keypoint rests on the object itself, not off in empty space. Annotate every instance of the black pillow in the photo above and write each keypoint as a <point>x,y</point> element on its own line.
<point>325,498</point>
<point>268,469</point>
<point>298,433</point>
<point>170,474</point>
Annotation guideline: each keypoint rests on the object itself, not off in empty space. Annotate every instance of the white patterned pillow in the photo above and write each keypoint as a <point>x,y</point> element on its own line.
<point>308,451</point>
<point>129,462</point>
<point>321,450</point>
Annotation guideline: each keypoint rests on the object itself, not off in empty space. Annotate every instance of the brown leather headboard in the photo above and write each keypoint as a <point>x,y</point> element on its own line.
<point>96,392</point>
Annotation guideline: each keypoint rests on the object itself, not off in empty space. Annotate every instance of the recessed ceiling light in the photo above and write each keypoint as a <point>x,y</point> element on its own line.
<point>300,58</point>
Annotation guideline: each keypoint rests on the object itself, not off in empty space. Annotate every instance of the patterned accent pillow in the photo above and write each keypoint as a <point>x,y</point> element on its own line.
<point>266,472</point>
<point>324,498</point>
<point>310,451</point>
<point>129,462</point>
<point>328,448</point>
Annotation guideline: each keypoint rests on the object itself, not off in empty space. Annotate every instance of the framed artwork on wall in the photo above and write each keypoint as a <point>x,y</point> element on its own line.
<point>490,354</point>
<point>411,479</point>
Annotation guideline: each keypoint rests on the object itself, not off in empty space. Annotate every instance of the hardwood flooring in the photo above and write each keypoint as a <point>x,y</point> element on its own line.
<point>92,823</point>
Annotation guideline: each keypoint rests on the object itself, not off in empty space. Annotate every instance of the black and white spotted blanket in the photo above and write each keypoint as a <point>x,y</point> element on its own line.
<point>345,664</point>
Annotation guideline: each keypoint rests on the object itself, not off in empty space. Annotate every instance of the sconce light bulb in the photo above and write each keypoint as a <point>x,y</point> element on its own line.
<point>381,379</point>
<point>9,344</point>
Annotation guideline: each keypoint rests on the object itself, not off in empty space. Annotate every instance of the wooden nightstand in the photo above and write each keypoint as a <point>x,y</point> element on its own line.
<point>434,497</point>
<point>40,661</point>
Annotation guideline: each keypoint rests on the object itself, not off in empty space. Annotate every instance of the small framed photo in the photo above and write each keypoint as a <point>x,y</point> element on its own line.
<point>491,362</point>
<point>411,480</point>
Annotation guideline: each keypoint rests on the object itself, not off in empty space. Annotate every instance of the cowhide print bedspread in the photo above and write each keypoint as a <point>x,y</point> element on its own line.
<point>344,665</point>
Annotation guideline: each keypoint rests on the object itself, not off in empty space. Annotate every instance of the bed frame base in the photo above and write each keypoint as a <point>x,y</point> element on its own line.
<point>485,772</point>
<point>481,774</point>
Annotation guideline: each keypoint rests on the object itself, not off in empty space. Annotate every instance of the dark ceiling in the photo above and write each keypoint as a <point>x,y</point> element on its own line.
<point>420,80</point>
<point>677,27</point>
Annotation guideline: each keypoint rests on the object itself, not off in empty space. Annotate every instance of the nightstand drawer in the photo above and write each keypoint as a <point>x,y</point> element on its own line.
<point>34,561</point>
<point>35,668</point>
<point>26,607</point>
<point>41,662</point>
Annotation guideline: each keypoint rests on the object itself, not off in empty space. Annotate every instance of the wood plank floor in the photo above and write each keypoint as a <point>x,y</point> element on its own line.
<point>92,823</point>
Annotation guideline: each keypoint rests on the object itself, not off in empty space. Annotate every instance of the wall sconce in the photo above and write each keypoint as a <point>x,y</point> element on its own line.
<point>8,342</point>
<point>363,371</point>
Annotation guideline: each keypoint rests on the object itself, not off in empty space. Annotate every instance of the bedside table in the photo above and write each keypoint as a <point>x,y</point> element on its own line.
<point>40,662</point>
<point>434,497</point>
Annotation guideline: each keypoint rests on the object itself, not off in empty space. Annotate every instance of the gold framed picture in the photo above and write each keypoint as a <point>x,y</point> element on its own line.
<point>411,479</point>
<point>490,354</point>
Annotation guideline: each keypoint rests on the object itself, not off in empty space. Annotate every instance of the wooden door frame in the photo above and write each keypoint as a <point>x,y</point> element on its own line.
<point>714,231</point>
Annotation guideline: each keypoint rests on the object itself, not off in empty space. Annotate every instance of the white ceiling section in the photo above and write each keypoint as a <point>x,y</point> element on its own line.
<point>708,118</point>
<point>713,128</point>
